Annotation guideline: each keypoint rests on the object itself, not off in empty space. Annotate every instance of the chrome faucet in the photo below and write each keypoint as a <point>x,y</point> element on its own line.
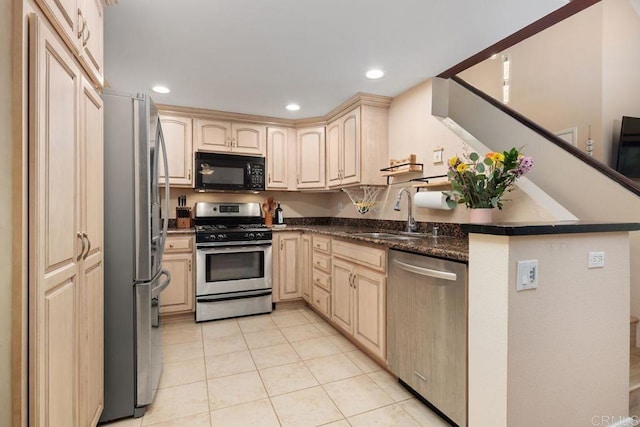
<point>411,222</point>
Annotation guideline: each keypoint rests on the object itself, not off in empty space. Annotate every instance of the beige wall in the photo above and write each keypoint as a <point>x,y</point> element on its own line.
<point>556,355</point>
<point>621,66</point>
<point>556,77</point>
<point>590,196</point>
<point>414,130</point>
<point>5,211</point>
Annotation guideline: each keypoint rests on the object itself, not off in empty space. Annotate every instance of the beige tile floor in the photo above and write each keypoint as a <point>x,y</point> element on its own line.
<point>288,368</point>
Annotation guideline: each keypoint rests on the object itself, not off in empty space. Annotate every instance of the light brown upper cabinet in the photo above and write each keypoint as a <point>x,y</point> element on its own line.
<point>90,37</point>
<point>226,137</point>
<point>357,147</point>
<point>80,23</point>
<point>343,150</point>
<point>277,158</point>
<point>311,158</point>
<point>178,137</point>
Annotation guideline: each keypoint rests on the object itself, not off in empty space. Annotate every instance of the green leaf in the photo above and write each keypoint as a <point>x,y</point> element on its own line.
<point>474,156</point>
<point>488,161</point>
<point>480,168</point>
<point>452,203</point>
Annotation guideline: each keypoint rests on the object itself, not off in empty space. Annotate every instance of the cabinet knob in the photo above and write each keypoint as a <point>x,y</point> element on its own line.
<point>170,245</point>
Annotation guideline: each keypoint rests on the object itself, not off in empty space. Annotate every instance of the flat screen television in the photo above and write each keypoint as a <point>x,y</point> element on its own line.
<point>628,148</point>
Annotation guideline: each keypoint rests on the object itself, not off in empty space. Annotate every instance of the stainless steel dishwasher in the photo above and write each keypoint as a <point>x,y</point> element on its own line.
<point>427,329</point>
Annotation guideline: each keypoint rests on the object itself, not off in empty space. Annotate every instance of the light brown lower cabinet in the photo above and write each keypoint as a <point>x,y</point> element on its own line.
<point>287,266</point>
<point>321,274</point>
<point>178,297</point>
<point>306,268</point>
<point>358,295</point>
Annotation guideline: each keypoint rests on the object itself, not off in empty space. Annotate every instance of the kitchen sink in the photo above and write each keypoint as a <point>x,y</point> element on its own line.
<point>386,236</point>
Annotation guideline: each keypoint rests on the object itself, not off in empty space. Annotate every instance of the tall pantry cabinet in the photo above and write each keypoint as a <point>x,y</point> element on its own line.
<point>65,231</point>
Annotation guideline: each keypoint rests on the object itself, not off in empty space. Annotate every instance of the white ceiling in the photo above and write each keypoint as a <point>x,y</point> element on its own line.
<point>256,56</point>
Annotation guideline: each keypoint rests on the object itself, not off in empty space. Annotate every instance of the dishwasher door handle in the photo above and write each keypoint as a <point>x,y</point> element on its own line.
<point>426,271</point>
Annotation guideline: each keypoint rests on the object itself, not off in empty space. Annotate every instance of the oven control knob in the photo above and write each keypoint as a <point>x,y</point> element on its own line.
<point>251,236</point>
<point>259,235</point>
<point>222,236</point>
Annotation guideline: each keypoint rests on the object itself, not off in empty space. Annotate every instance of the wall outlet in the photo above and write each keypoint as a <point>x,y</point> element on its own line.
<point>596,260</point>
<point>527,275</point>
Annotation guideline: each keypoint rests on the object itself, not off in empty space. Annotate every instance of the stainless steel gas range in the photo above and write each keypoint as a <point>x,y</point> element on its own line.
<point>233,261</point>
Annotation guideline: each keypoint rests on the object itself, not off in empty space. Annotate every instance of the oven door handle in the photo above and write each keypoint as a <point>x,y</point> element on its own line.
<point>231,248</point>
<point>162,286</point>
<point>254,295</point>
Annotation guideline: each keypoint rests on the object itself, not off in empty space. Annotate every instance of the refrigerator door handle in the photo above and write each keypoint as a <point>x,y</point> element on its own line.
<point>165,224</point>
<point>162,286</point>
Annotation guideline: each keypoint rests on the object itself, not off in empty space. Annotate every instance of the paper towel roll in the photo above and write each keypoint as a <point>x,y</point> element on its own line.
<point>431,199</point>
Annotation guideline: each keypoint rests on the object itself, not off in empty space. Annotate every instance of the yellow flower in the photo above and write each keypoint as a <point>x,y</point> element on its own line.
<point>453,161</point>
<point>496,157</point>
<point>462,167</point>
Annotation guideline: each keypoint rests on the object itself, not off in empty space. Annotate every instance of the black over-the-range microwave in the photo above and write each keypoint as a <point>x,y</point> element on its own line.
<point>229,172</point>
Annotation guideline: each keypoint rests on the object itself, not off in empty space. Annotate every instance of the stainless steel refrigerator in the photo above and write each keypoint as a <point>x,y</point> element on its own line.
<point>134,240</point>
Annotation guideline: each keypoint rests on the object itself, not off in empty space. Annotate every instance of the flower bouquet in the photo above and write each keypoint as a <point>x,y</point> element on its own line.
<point>481,182</point>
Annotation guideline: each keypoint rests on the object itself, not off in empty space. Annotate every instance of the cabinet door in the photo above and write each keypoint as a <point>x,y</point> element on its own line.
<point>248,139</point>
<point>91,291</point>
<point>212,135</point>
<point>54,248</point>
<point>64,15</point>
<point>334,155</point>
<point>178,138</point>
<point>342,294</point>
<point>306,268</point>
<point>311,158</point>
<point>289,268</point>
<point>91,341</point>
<point>178,296</point>
<point>277,158</point>
<point>370,310</point>
<point>350,139</point>
<point>91,38</point>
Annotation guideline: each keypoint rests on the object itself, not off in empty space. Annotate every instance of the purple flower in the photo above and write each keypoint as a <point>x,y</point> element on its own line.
<point>525,164</point>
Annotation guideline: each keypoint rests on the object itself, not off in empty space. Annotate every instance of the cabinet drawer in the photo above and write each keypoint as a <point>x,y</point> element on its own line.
<point>322,279</point>
<point>179,244</point>
<point>322,243</point>
<point>360,254</point>
<point>321,261</point>
<point>321,299</point>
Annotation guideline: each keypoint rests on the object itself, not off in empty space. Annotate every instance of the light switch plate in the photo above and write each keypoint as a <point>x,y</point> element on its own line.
<point>437,155</point>
<point>527,275</point>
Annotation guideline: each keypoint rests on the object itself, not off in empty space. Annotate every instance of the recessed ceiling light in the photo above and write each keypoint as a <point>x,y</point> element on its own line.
<point>293,107</point>
<point>374,74</point>
<point>160,89</point>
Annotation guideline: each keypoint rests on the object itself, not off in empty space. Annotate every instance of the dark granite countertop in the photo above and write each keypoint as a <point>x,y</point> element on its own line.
<point>447,247</point>
<point>561,227</point>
